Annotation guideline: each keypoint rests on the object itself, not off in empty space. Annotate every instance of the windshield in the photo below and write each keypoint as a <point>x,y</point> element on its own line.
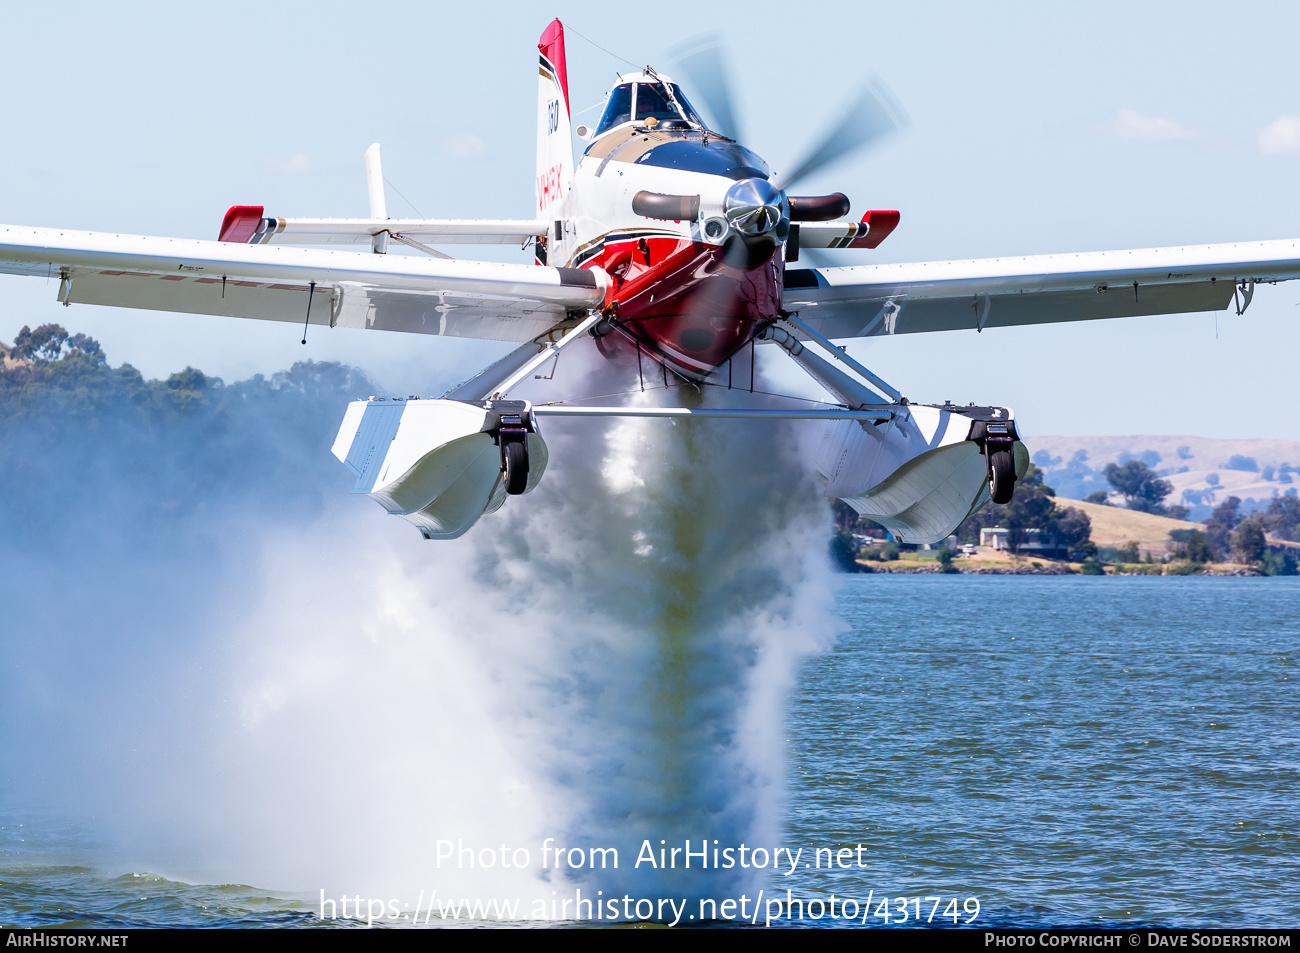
<point>618,110</point>
<point>691,114</point>
<point>651,102</point>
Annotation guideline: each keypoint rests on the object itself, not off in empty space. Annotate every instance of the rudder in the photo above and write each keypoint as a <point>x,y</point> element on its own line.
<point>554,139</point>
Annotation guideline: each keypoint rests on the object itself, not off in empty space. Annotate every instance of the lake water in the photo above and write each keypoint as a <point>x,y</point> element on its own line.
<point>1065,750</point>
<point>1069,752</point>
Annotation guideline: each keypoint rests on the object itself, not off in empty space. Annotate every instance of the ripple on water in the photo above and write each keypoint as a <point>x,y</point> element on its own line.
<point>1115,752</point>
<point>1070,750</point>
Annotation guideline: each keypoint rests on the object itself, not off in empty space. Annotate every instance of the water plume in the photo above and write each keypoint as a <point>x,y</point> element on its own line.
<point>317,698</point>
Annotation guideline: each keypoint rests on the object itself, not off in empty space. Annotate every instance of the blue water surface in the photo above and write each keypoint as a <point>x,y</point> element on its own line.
<point>1068,750</point>
<point>1065,750</point>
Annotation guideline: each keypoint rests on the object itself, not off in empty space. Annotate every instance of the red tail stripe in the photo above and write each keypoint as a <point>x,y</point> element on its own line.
<point>551,45</point>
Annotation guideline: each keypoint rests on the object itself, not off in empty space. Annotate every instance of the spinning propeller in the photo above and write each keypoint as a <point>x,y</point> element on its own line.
<point>871,116</point>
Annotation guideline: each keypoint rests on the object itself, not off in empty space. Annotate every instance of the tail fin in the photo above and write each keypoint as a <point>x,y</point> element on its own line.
<point>554,140</point>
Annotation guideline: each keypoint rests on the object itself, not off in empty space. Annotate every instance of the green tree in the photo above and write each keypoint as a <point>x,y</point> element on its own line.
<point>115,450</point>
<point>1092,566</point>
<point>1281,517</point>
<point>50,342</point>
<point>1033,507</point>
<point>1278,562</point>
<point>1198,547</point>
<point>846,517</point>
<point>1128,553</point>
<point>1228,513</point>
<point>1248,541</point>
<point>1138,483</point>
<point>1219,527</point>
<point>844,551</point>
<point>1074,529</point>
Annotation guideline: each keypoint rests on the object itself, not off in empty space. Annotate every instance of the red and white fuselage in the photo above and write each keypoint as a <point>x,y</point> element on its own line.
<point>688,225</point>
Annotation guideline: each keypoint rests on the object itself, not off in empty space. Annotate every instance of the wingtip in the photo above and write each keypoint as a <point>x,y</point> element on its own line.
<point>240,223</point>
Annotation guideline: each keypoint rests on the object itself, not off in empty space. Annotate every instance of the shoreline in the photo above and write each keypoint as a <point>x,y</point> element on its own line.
<point>1050,568</point>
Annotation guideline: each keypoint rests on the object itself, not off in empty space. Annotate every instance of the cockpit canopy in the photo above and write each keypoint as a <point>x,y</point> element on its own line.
<point>640,96</point>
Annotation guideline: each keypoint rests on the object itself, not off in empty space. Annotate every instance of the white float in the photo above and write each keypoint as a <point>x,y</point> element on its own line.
<point>436,463</point>
<point>918,474</point>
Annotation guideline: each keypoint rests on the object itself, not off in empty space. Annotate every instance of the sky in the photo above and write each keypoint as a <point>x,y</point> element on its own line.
<point>1033,128</point>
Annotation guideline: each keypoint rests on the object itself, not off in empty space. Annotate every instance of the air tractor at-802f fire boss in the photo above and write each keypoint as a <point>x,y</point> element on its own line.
<point>669,247</point>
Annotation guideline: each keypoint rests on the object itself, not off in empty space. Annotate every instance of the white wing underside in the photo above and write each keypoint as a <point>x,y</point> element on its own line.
<point>484,300</point>
<point>510,302</point>
<point>870,300</point>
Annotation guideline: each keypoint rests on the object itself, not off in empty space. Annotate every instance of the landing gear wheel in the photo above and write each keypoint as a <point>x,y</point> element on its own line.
<point>515,455</point>
<point>1002,476</point>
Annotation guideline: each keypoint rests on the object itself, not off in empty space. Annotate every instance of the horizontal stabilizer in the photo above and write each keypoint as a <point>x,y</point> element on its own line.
<point>246,223</point>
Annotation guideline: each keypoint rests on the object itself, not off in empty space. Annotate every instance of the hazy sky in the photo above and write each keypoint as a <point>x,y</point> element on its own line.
<point>1034,129</point>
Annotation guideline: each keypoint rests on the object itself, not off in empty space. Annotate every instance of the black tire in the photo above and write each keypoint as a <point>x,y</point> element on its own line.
<point>516,457</point>
<point>1002,476</point>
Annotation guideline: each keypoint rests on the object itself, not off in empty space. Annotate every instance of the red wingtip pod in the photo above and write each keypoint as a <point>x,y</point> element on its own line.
<point>879,225</point>
<point>240,223</point>
<point>551,46</point>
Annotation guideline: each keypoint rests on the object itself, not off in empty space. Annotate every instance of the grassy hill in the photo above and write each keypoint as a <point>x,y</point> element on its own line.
<point>1113,526</point>
<point>1204,471</point>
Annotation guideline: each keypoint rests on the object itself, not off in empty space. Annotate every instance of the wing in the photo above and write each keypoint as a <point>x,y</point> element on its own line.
<point>867,300</point>
<point>486,300</point>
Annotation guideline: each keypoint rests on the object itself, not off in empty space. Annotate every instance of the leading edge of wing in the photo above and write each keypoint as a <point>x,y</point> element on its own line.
<point>361,231</point>
<point>866,300</point>
<point>49,251</point>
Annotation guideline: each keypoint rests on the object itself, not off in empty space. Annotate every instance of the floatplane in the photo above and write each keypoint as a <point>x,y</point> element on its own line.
<point>668,243</point>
